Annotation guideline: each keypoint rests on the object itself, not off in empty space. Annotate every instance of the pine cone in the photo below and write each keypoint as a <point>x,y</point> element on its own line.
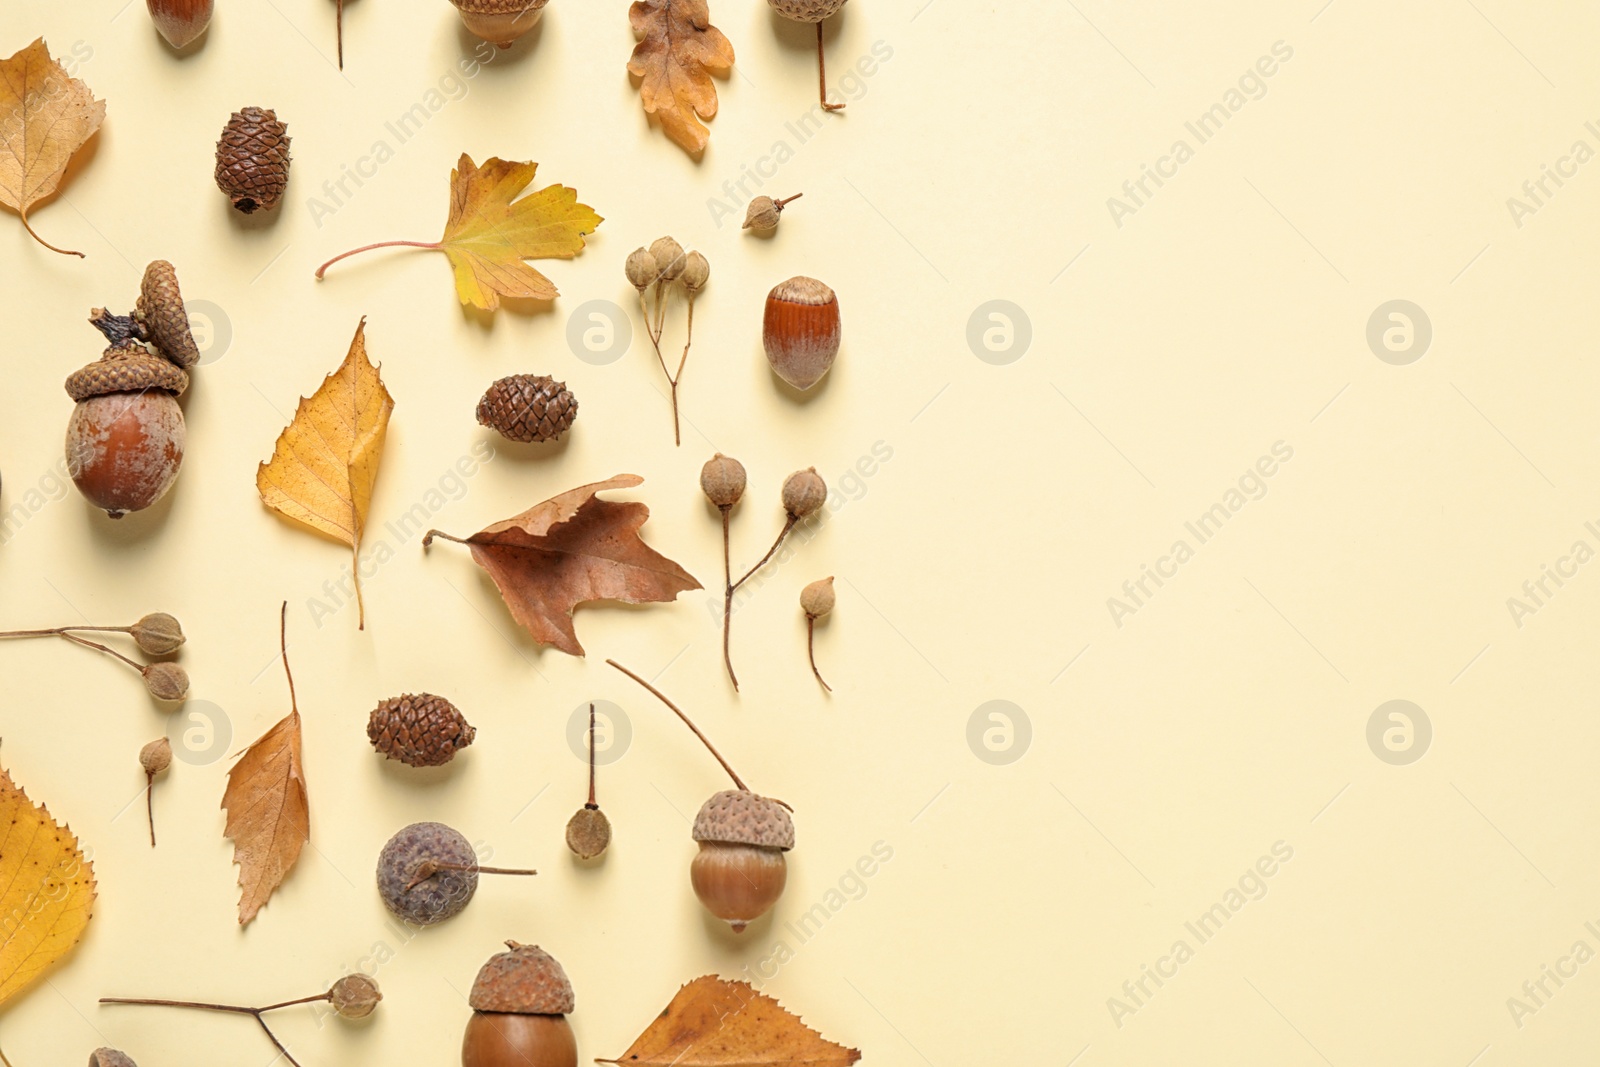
<point>420,731</point>
<point>253,159</point>
<point>527,407</point>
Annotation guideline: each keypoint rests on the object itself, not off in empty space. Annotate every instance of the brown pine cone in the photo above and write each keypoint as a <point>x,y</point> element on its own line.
<point>253,159</point>
<point>419,730</point>
<point>528,407</point>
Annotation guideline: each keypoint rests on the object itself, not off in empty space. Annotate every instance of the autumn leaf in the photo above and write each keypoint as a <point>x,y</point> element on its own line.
<point>570,550</point>
<point>713,1022</point>
<point>326,461</point>
<point>49,889</point>
<point>269,814</point>
<point>677,53</point>
<point>490,232</point>
<point>46,115</point>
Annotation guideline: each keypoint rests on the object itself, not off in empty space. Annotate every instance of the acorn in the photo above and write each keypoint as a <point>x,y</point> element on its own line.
<point>520,1003</point>
<point>500,22</point>
<point>801,331</point>
<point>740,871</point>
<point>181,22</point>
<point>126,436</point>
<point>816,11</point>
<point>253,159</point>
<point>428,873</point>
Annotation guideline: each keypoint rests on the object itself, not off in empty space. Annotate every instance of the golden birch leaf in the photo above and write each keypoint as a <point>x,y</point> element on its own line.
<point>45,117</point>
<point>48,892</point>
<point>326,461</point>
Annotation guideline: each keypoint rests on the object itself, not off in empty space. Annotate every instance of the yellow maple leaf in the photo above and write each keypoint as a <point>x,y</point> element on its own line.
<point>326,461</point>
<point>490,232</point>
<point>49,889</point>
<point>46,115</point>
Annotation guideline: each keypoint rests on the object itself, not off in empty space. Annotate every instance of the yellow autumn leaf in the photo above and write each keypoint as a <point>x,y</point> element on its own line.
<point>46,115</point>
<point>326,461</point>
<point>490,232</point>
<point>48,889</point>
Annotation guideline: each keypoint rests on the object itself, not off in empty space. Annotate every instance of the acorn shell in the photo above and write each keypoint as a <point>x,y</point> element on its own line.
<point>806,10</point>
<point>740,817</point>
<point>802,330</point>
<point>523,980</point>
<point>500,22</point>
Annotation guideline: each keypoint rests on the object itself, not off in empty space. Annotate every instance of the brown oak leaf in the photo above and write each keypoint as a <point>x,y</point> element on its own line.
<point>713,1022</point>
<point>677,53</point>
<point>570,550</point>
<point>269,814</point>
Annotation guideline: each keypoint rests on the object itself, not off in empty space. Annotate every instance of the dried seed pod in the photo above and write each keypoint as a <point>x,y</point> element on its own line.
<point>696,272</point>
<point>428,873</point>
<point>500,22</point>
<point>668,255</point>
<point>722,480</point>
<point>641,269</point>
<point>528,408</point>
<point>801,331</point>
<point>166,681</point>
<point>355,996</point>
<point>520,1002</point>
<point>157,634</point>
<point>110,1057</point>
<point>161,312</point>
<point>419,730</point>
<point>589,831</point>
<point>125,439</point>
<point>253,159</point>
<point>154,757</point>
<point>764,213</point>
<point>181,22</point>
<point>817,599</point>
<point>804,492</point>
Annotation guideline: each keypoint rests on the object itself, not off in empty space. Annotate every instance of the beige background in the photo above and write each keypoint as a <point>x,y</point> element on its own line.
<point>1167,755</point>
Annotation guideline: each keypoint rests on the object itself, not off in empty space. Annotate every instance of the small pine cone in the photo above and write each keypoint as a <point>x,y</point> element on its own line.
<point>528,407</point>
<point>420,731</point>
<point>253,159</point>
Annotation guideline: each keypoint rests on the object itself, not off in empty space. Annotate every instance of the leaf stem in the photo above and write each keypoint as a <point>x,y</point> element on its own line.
<point>659,695</point>
<point>428,539</point>
<point>435,245</point>
<point>26,225</point>
<point>355,573</point>
<point>283,647</point>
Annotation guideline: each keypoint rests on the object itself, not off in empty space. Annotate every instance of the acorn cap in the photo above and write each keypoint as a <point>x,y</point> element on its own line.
<point>524,980</point>
<point>126,368</point>
<point>500,7</point>
<point>739,817</point>
<point>160,309</point>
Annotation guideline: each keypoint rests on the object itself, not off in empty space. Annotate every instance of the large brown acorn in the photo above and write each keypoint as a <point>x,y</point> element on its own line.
<point>801,331</point>
<point>126,437</point>
<point>740,871</point>
<point>180,21</point>
<point>500,22</point>
<point>520,1003</point>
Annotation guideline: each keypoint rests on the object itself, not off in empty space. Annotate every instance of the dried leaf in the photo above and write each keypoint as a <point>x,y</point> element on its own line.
<point>48,116</point>
<point>326,461</point>
<point>269,814</point>
<point>570,550</point>
<point>49,889</point>
<point>490,232</point>
<point>713,1022</point>
<point>677,53</point>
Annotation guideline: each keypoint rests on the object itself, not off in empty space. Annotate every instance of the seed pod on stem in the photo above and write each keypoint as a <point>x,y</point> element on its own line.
<point>154,758</point>
<point>589,831</point>
<point>816,600</point>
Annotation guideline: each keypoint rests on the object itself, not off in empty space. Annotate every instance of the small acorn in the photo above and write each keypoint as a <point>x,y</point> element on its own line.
<point>253,159</point>
<point>528,408</point>
<point>181,22</point>
<point>520,1003</point>
<point>801,331</point>
<point>428,873</point>
<point>500,22</point>
<point>765,213</point>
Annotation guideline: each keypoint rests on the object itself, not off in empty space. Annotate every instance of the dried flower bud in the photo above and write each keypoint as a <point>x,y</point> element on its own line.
<point>157,634</point>
<point>804,492</point>
<point>763,215</point>
<point>816,599</point>
<point>668,255</point>
<point>696,272</point>
<point>156,756</point>
<point>642,269</point>
<point>166,681</point>
<point>109,1057</point>
<point>722,480</point>
<point>355,996</point>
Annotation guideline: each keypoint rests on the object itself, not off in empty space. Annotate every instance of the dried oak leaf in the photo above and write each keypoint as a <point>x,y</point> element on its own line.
<point>326,461</point>
<point>490,232</point>
<point>49,889</point>
<point>269,814</point>
<point>713,1022</point>
<point>570,550</point>
<point>46,115</point>
<point>677,53</point>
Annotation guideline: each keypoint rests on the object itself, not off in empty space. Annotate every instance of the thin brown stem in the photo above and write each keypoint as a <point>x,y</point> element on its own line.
<point>283,647</point>
<point>26,225</point>
<point>431,534</point>
<point>339,24</point>
<point>592,802</point>
<point>727,599</point>
<point>232,1009</point>
<point>355,573</point>
<point>659,695</point>
<point>787,526</point>
<point>368,248</point>
<point>98,647</point>
<point>811,650</point>
<point>786,201</point>
<point>150,804</point>
<point>428,868</point>
<point>822,75</point>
